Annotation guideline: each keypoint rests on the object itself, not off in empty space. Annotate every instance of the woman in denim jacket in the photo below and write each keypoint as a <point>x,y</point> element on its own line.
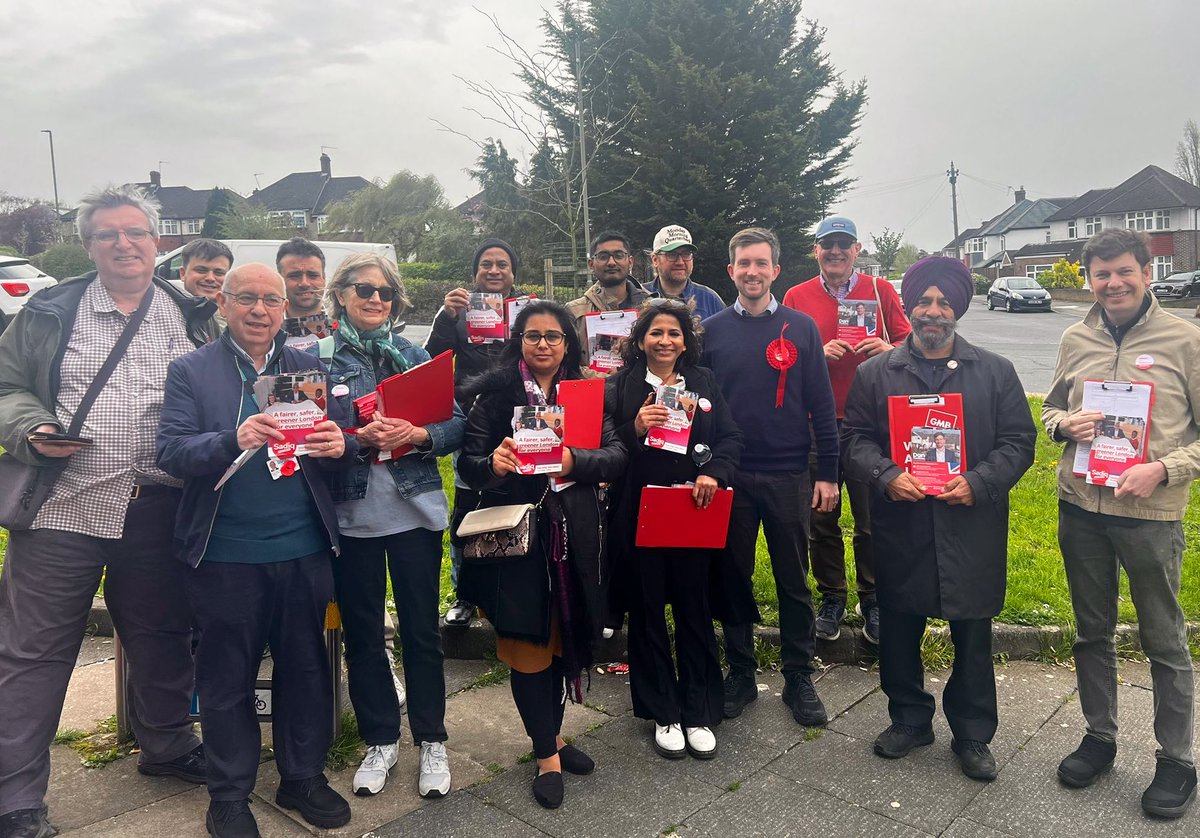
<point>391,516</point>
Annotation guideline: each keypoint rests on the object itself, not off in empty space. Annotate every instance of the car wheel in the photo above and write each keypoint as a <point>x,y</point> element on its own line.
<point>991,303</point>
<point>1008,305</point>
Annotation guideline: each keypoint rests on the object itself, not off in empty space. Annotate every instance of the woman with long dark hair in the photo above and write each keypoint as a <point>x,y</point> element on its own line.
<point>663,349</point>
<point>547,607</point>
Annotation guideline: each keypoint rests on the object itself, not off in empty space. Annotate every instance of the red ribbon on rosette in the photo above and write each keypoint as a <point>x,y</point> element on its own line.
<point>782,355</point>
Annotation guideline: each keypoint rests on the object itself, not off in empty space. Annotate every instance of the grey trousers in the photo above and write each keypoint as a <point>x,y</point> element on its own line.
<point>1151,552</point>
<point>46,590</point>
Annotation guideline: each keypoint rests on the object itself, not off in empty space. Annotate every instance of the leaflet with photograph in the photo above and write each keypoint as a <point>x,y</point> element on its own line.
<point>857,320</point>
<point>606,330</point>
<point>681,408</point>
<point>485,318</point>
<point>538,433</point>
<point>297,401</point>
<point>927,437</point>
<point>1120,440</point>
<point>305,332</point>
<point>513,306</point>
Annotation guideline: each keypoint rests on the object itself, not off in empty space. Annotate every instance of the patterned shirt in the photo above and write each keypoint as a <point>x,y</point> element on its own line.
<point>92,494</point>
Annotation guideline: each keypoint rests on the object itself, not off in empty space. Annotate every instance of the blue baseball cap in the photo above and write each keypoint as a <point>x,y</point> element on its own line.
<point>836,224</point>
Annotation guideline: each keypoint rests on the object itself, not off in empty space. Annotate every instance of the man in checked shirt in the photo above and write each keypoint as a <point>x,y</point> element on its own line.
<point>111,511</point>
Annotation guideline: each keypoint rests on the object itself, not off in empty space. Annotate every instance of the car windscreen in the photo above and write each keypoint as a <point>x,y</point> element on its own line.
<point>21,270</point>
<point>1023,284</point>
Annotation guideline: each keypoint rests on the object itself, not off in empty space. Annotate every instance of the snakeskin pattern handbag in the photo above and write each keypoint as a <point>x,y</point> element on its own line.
<point>499,532</point>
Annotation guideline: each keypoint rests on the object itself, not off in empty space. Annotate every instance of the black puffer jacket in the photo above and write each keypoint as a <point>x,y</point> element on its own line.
<point>515,595</point>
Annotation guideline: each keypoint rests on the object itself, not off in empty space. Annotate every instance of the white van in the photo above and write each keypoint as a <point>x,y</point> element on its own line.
<point>246,251</point>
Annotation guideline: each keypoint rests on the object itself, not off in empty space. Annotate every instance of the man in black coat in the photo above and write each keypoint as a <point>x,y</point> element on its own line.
<point>944,555</point>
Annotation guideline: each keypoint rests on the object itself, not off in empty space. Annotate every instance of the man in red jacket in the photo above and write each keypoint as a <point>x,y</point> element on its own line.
<point>840,285</point>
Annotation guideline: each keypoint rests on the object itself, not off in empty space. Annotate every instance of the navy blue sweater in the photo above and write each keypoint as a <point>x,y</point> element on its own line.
<point>777,438</point>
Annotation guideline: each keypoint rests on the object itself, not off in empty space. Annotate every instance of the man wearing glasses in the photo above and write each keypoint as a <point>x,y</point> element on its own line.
<point>111,511</point>
<point>673,258</point>
<point>836,249</point>
<point>610,262</point>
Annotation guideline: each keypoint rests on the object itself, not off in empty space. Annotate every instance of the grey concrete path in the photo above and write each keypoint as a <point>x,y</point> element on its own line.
<point>771,777</point>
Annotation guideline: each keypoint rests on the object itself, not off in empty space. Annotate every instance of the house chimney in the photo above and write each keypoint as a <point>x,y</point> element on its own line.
<point>326,169</point>
<point>1019,195</point>
<point>156,180</point>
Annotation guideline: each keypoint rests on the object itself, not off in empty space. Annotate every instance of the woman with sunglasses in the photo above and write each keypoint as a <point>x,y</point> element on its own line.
<point>547,607</point>
<point>663,348</point>
<point>391,517</point>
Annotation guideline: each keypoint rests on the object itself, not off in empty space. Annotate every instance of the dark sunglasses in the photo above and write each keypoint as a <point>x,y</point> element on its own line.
<point>840,242</point>
<point>366,291</point>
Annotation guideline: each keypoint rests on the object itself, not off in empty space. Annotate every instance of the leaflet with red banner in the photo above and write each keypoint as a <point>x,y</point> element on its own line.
<point>606,330</point>
<point>1120,440</point>
<point>927,437</point>
<point>297,402</point>
<point>857,320</point>
<point>422,395</point>
<point>538,433</point>
<point>485,318</point>
<point>668,517</point>
<point>305,332</point>
<point>681,407</point>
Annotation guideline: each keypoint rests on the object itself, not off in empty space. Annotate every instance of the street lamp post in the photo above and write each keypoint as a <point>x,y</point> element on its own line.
<point>54,174</point>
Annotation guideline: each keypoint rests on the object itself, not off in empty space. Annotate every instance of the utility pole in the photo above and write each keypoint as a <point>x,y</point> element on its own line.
<point>54,175</point>
<point>583,162</point>
<point>953,174</point>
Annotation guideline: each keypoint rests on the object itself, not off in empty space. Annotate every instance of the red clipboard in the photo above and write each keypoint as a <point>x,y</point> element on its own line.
<point>914,422</point>
<point>583,401</point>
<point>669,517</point>
<point>422,395</point>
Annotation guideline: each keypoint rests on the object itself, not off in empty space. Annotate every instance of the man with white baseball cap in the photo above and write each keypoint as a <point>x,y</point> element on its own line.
<point>673,256</point>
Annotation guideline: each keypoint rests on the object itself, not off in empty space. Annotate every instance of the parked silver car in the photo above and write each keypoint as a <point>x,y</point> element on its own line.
<point>1177,285</point>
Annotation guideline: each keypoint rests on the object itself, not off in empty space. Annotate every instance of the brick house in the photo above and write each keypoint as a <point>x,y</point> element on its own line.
<point>183,211</point>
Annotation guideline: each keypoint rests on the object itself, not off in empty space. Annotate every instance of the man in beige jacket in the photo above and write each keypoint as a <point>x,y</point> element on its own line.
<point>1137,525</point>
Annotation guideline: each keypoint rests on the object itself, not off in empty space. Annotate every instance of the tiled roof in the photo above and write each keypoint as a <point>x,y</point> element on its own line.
<point>1150,189</point>
<point>1023,215</point>
<point>312,191</point>
<point>179,202</point>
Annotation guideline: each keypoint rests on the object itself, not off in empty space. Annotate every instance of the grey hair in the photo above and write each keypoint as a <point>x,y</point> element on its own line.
<point>110,198</point>
<point>344,277</point>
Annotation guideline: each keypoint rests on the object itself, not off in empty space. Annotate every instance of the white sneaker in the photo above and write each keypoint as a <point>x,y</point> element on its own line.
<point>372,775</point>
<point>701,742</point>
<point>607,633</point>
<point>460,613</point>
<point>401,695</point>
<point>434,780</point>
<point>669,741</point>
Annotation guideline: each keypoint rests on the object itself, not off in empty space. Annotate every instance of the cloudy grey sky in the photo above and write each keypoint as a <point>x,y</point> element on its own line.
<point>1057,96</point>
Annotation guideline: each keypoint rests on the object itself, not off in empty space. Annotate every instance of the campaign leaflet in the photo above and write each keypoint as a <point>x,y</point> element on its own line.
<point>513,306</point>
<point>305,332</point>
<point>681,408</point>
<point>538,433</point>
<point>485,318</point>
<point>927,437</point>
<point>857,320</point>
<point>297,401</point>
<point>1120,440</point>
<point>606,330</point>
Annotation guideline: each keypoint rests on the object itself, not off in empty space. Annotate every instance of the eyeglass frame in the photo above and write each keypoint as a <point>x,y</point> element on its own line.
<point>543,336</point>
<point>680,255</point>
<point>269,301</point>
<point>605,256</point>
<point>132,234</point>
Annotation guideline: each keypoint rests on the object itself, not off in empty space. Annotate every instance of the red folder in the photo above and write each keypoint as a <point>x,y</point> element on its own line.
<point>422,395</point>
<point>669,517</point>
<point>583,401</point>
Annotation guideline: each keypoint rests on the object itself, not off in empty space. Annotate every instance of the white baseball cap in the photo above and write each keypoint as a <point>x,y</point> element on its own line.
<point>672,238</point>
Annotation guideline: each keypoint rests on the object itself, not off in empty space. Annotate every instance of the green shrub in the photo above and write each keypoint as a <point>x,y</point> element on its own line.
<point>982,283</point>
<point>1063,274</point>
<point>64,260</point>
<point>426,296</point>
<point>437,271</point>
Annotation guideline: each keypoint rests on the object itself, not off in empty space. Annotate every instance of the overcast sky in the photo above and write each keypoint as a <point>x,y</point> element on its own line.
<point>1058,96</point>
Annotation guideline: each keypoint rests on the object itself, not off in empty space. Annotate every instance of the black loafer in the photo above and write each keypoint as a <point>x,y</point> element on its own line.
<point>231,819</point>
<point>191,767</point>
<point>898,740</point>
<point>316,802</point>
<point>575,761</point>
<point>548,789</point>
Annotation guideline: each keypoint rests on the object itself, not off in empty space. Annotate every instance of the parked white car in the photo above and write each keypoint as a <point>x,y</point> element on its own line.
<point>19,280</point>
<point>246,251</point>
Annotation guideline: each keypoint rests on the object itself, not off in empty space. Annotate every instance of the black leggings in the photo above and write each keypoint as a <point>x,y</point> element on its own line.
<point>541,700</point>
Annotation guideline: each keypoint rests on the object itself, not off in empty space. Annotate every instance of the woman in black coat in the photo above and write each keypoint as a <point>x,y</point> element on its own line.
<point>663,349</point>
<point>547,608</point>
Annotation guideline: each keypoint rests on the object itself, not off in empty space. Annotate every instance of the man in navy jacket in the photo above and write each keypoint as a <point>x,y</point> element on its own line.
<point>259,552</point>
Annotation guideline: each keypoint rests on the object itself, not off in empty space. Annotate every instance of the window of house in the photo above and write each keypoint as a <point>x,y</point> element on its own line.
<point>193,226</point>
<point>168,227</point>
<point>1092,226</point>
<point>299,218</point>
<point>974,245</point>
<point>1162,219</point>
<point>1148,220</point>
<point>1032,271</point>
<point>1072,230</point>
<point>280,219</point>
<point>1162,266</point>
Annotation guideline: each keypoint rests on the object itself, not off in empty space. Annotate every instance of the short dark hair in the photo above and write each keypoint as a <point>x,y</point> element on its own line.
<point>610,236</point>
<point>631,353</point>
<point>754,235</point>
<point>205,250</point>
<point>939,433</point>
<point>1111,243</point>
<point>511,354</point>
<point>298,246</point>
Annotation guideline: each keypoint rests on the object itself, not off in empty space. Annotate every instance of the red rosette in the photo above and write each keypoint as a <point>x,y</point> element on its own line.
<point>782,355</point>
<point>288,467</point>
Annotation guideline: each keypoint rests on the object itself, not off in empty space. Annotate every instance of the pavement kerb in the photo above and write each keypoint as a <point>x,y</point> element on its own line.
<point>477,642</point>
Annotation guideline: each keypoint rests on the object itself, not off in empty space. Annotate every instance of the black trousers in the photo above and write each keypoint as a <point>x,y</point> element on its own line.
<point>414,560</point>
<point>541,699</point>
<point>781,501</point>
<point>680,578</point>
<point>239,609</point>
<point>828,550</point>
<point>969,700</point>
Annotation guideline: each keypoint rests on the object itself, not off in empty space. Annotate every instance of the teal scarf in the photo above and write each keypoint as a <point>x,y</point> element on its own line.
<point>376,343</point>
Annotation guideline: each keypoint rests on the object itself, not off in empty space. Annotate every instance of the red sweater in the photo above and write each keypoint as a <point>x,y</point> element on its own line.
<point>812,299</point>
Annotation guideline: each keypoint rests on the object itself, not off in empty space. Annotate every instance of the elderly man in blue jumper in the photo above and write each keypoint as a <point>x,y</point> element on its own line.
<point>771,367</point>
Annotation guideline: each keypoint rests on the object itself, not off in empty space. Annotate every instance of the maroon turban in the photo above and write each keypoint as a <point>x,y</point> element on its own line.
<point>949,275</point>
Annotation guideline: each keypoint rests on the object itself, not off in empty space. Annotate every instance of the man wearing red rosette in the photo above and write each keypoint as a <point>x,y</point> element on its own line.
<point>771,368</point>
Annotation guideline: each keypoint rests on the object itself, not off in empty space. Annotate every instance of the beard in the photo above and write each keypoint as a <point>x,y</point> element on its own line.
<point>937,341</point>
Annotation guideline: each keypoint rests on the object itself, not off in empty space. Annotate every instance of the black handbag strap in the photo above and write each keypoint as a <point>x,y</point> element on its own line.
<point>110,363</point>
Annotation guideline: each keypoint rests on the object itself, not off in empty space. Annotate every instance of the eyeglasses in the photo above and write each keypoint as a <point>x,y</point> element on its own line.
<point>366,291</point>
<point>611,256</point>
<point>677,255</point>
<point>251,300</point>
<point>133,234</point>
<point>842,243</point>
<point>534,338</point>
